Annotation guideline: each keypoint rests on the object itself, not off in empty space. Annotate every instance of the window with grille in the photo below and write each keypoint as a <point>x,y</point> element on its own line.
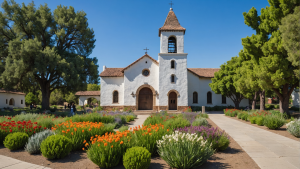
<point>115,97</point>
<point>209,98</point>
<point>195,97</point>
<point>223,99</point>
<point>173,64</point>
<point>172,45</point>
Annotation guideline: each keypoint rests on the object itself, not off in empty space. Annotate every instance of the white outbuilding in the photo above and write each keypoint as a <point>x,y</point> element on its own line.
<point>12,98</point>
<point>163,84</point>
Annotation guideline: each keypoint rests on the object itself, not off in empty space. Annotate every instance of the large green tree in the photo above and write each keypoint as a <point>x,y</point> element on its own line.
<point>93,87</point>
<point>50,49</point>
<point>223,81</point>
<point>273,69</point>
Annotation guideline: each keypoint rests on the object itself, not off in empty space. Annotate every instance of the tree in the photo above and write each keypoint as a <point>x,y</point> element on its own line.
<point>51,49</point>
<point>93,87</point>
<point>30,98</point>
<point>71,98</point>
<point>223,80</point>
<point>56,97</point>
<point>290,33</point>
<point>272,67</point>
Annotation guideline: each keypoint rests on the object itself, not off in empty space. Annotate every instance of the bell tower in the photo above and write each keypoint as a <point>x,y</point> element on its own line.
<point>173,82</point>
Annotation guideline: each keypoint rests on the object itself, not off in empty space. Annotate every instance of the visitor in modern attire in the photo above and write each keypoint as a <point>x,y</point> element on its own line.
<point>72,110</point>
<point>31,105</point>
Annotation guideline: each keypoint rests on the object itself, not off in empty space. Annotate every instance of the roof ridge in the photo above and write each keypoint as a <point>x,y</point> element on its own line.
<point>145,55</point>
<point>171,23</point>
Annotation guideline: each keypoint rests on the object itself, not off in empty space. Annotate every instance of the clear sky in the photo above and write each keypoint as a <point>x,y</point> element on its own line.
<point>124,28</point>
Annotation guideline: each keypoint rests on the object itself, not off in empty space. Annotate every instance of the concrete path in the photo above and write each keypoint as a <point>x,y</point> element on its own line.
<point>11,163</point>
<point>267,149</point>
<point>139,121</point>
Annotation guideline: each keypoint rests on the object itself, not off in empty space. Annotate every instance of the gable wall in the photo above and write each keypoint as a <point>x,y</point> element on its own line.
<point>108,85</point>
<point>17,98</point>
<point>201,86</point>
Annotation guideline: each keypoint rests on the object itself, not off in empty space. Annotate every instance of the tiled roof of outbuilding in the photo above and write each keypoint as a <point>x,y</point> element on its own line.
<point>12,92</point>
<point>87,93</point>
<point>112,72</point>
<point>171,24</point>
<point>204,72</point>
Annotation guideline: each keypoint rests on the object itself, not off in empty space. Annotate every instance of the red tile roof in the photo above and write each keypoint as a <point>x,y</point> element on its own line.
<point>112,72</point>
<point>146,55</point>
<point>12,92</point>
<point>171,24</point>
<point>87,93</point>
<point>204,72</point>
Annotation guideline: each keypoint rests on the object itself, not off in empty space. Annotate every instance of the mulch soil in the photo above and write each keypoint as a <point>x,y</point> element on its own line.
<point>281,131</point>
<point>233,157</point>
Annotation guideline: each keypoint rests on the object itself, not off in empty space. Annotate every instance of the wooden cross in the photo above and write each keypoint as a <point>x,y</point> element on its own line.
<point>171,4</point>
<point>146,50</point>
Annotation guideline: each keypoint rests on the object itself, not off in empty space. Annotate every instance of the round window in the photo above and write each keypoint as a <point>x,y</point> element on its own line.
<point>146,72</point>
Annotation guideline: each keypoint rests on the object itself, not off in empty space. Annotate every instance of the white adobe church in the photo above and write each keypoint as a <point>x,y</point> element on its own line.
<point>163,84</point>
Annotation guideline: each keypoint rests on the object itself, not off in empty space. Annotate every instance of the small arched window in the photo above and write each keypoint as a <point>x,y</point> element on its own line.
<point>195,97</point>
<point>12,102</point>
<point>172,45</point>
<point>173,64</point>
<point>21,101</point>
<point>209,98</point>
<point>172,78</point>
<point>223,99</point>
<point>115,97</point>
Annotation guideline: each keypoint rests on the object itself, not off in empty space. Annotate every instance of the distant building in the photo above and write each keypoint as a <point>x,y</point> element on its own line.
<point>296,97</point>
<point>12,99</point>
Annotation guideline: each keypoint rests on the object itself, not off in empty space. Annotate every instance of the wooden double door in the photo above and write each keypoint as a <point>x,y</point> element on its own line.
<point>145,99</point>
<point>172,101</point>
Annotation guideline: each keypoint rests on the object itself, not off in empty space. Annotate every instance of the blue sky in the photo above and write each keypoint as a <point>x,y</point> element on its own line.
<point>124,28</point>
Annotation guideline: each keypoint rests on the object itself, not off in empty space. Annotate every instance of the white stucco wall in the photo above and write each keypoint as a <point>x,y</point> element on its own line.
<point>201,86</point>
<point>180,73</point>
<point>108,85</point>
<point>164,37</point>
<point>83,99</point>
<point>17,100</point>
<point>296,98</point>
<point>133,79</point>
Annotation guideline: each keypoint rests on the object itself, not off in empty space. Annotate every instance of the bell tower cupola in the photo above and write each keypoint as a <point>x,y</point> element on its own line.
<point>171,35</point>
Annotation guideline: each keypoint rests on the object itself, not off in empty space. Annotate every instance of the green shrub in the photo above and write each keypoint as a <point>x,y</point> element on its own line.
<point>259,121</point>
<point>177,123</point>
<point>245,116</point>
<point>15,141</point>
<point>56,146</point>
<point>34,142</point>
<point>200,122</point>
<point>137,158</point>
<point>252,120</point>
<point>273,122</point>
<point>184,150</point>
<point>293,127</point>
<point>123,128</point>
<point>223,142</point>
<point>240,115</point>
<point>276,106</point>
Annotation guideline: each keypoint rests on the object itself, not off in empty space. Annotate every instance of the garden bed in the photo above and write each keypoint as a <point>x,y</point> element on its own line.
<point>281,131</point>
<point>232,157</point>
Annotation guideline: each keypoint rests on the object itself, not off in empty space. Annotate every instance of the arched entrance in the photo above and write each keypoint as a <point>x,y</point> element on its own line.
<point>172,101</point>
<point>145,99</point>
<point>11,102</point>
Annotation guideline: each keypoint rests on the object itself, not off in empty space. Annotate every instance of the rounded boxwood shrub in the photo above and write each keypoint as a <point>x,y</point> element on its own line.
<point>293,127</point>
<point>245,116</point>
<point>200,122</point>
<point>252,120</point>
<point>273,122</point>
<point>137,158</point>
<point>259,121</point>
<point>56,146</point>
<point>15,141</point>
<point>240,115</point>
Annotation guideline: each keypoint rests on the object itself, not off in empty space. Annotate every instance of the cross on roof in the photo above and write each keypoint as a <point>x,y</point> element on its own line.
<point>171,4</point>
<point>146,50</point>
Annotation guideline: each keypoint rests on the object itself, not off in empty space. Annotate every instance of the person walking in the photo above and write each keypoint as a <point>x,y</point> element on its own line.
<point>72,110</point>
<point>31,105</point>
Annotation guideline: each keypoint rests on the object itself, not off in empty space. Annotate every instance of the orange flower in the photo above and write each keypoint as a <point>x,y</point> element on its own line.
<point>75,129</point>
<point>112,146</point>
<point>84,141</point>
<point>105,144</point>
<point>83,149</point>
<point>63,131</point>
<point>121,142</point>
<point>90,129</point>
<point>167,129</point>
<point>98,145</point>
<point>82,130</point>
<point>150,134</point>
<point>72,133</point>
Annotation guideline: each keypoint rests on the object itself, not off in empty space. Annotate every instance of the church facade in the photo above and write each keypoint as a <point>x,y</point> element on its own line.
<point>163,84</point>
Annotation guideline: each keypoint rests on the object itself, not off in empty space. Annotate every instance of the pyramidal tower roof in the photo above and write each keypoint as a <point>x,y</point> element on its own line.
<point>171,24</point>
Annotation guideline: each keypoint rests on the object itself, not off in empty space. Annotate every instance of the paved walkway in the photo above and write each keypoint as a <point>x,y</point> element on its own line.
<point>11,163</point>
<point>139,121</point>
<point>267,149</point>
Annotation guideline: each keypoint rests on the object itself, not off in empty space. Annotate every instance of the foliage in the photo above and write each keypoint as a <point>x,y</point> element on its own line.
<point>30,98</point>
<point>34,142</point>
<point>107,150</point>
<point>71,98</point>
<point>273,122</point>
<point>290,32</point>
<point>56,146</point>
<point>200,122</point>
<point>178,122</point>
<point>185,151</point>
<point>16,140</point>
<point>92,117</point>
<point>293,127</point>
<point>77,132</point>
<point>123,128</point>
<point>47,47</point>
<point>56,97</point>
<point>137,158</point>
<point>93,87</point>
<point>219,140</point>
<point>259,121</point>
<point>252,120</point>
<point>188,109</point>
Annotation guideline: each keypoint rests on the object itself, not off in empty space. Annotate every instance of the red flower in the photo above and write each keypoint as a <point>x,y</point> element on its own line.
<point>35,122</point>
<point>10,130</point>
<point>40,126</point>
<point>45,128</point>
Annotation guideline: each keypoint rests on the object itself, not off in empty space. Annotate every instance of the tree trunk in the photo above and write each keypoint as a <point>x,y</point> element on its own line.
<point>254,100</point>
<point>262,100</point>
<point>45,87</point>
<point>237,104</point>
<point>284,104</point>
